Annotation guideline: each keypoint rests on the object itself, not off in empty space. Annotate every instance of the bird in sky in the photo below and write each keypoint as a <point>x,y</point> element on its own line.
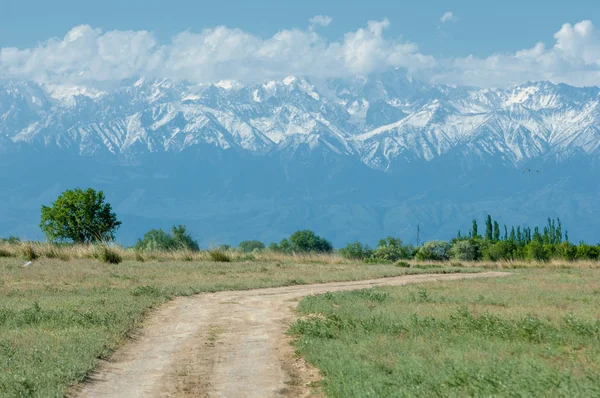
<point>527,169</point>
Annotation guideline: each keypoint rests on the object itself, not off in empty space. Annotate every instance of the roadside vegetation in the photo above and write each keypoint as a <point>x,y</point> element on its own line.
<point>534,333</point>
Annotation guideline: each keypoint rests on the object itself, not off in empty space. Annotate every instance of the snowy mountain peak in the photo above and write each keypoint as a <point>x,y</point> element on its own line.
<point>381,119</point>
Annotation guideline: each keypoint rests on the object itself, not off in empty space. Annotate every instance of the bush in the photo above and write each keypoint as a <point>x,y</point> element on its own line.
<point>567,251</point>
<point>536,251</point>
<point>503,250</point>
<point>464,250</point>
<point>307,241</point>
<point>356,251</point>
<point>219,256</point>
<point>109,255</point>
<point>391,249</point>
<point>436,250</point>
<point>248,246</point>
<point>587,252</point>
<point>157,239</point>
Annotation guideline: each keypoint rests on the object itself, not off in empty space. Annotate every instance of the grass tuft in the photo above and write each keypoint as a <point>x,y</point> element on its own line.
<point>219,256</point>
<point>109,255</point>
<point>28,252</point>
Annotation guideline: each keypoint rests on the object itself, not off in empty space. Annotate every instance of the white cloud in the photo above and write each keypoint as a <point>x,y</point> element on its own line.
<point>574,59</point>
<point>321,20</point>
<point>448,17</point>
<point>88,56</point>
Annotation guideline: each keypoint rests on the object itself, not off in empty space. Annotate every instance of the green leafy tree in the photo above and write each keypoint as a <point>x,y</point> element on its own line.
<point>182,239</point>
<point>437,250</point>
<point>79,216</point>
<point>285,246</point>
<point>474,229</point>
<point>488,228</point>
<point>390,249</point>
<point>249,246</point>
<point>356,251</point>
<point>496,231</point>
<point>464,250</point>
<point>307,241</point>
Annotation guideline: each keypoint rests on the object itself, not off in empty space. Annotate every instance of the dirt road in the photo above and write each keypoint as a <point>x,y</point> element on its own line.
<point>227,344</point>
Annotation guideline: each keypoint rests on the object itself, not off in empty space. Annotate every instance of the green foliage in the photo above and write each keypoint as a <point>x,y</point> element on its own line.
<point>11,240</point>
<point>535,250</point>
<point>356,251</point>
<point>488,228</point>
<point>503,250</point>
<point>307,241</point>
<point>182,240</point>
<point>157,239</point>
<point>391,249</point>
<point>249,246</point>
<point>285,246</point>
<point>436,250</point>
<point>79,216</point>
<point>465,250</point>
<point>587,252</point>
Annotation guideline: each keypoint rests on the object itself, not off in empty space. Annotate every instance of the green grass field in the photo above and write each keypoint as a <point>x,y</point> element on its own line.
<point>58,317</point>
<point>534,333</point>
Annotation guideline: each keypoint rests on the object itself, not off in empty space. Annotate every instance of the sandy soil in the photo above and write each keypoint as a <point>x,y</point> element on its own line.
<point>227,344</point>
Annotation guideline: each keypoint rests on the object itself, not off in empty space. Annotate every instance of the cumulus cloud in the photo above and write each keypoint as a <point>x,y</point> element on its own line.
<point>574,59</point>
<point>320,20</point>
<point>448,17</point>
<point>86,55</point>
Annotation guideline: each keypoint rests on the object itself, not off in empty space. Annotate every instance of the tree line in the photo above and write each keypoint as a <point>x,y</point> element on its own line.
<point>83,217</point>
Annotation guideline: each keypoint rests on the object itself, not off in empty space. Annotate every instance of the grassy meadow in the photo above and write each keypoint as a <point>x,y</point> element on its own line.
<point>68,309</point>
<point>534,333</point>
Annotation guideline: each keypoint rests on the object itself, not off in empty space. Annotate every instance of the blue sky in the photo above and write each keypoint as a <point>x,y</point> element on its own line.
<point>460,50</point>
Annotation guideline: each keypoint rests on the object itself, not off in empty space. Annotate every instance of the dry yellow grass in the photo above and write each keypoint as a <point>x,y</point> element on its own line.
<point>29,250</point>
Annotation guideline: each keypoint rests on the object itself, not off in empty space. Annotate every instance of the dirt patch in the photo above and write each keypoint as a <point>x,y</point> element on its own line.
<point>227,344</point>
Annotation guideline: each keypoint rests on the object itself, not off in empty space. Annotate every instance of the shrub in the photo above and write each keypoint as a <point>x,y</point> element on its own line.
<point>109,255</point>
<point>356,251</point>
<point>586,252</point>
<point>307,241</point>
<point>534,250</point>
<point>503,250</point>
<point>249,246</point>
<point>436,250</point>
<point>219,256</point>
<point>157,239</point>
<point>390,249</point>
<point>464,250</point>
<point>567,251</point>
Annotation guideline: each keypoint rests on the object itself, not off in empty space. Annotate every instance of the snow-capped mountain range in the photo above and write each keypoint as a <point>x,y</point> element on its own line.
<point>353,159</point>
<point>380,120</point>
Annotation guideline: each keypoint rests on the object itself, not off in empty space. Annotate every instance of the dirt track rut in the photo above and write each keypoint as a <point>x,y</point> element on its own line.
<point>226,344</point>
